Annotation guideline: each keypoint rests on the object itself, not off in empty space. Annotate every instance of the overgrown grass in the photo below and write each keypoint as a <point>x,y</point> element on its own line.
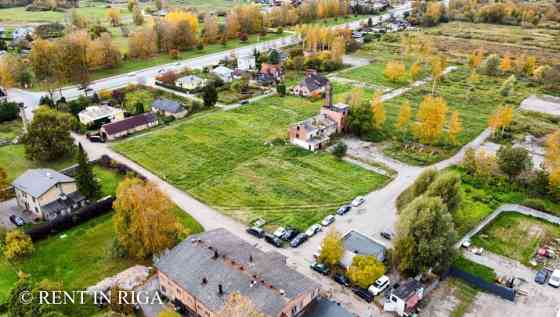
<point>479,270</point>
<point>14,162</point>
<point>465,294</point>
<point>237,162</point>
<point>11,129</point>
<point>516,236</point>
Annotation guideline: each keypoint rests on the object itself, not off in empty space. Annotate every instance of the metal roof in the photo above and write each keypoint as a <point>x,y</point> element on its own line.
<point>36,182</point>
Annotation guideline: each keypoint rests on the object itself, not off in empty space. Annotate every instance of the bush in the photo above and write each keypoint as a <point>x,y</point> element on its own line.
<point>8,111</point>
<point>339,150</point>
<point>534,203</point>
<point>491,65</point>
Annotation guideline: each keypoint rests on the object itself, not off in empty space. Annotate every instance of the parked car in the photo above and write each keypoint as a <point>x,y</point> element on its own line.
<point>363,294</point>
<point>542,276</point>
<point>379,286</point>
<point>17,220</point>
<point>387,235</point>
<point>327,221</point>
<point>298,240</point>
<point>342,279</point>
<point>256,231</point>
<point>320,267</point>
<point>358,201</point>
<point>290,234</point>
<point>259,222</point>
<point>94,138</point>
<point>244,102</point>
<point>343,210</point>
<point>554,280</point>
<point>279,233</point>
<point>313,230</point>
<point>272,239</point>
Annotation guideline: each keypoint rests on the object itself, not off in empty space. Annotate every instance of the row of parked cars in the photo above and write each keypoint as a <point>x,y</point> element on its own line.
<point>292,235</point>
<point>544,275</point>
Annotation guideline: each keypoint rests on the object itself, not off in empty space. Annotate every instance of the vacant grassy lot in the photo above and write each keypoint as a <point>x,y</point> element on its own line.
<point>91,11</point>
<point>12,159</point>
<point>208,5</point>
<point>238,162</point>
<point>81,256</point>
<point>516,236</point>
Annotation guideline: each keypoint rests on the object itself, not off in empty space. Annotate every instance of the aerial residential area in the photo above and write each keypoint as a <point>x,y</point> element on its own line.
<point>279,158</point>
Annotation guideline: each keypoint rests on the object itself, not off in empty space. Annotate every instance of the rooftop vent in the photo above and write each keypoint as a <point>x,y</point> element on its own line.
<point>204,281</point>
<point>220,289</point>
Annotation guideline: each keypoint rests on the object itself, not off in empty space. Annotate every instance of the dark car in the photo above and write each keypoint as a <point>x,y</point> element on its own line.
<point>290,234</point>
<point>298,240</point>
<point>256,231</point>
<point>542,276</point>
<point>343,210</point>
<point>244,102</point>
<point>342,279</point>
<point>95,138</point>
<point>272,239</point>
<point>321,268</point>
<point>387,235</point>
<point>363,294</point>
<point>17,220</point>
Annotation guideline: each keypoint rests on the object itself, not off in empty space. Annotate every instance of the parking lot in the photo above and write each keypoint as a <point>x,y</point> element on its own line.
<point>8,208</point>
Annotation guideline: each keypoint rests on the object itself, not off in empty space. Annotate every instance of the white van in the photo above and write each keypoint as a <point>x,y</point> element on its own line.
<point>554,280</point>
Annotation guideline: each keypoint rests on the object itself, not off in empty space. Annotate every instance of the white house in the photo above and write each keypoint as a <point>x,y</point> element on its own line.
<point>404,299</point>
<point>47,194</point>
<point>246,62</point>
<point>190,82</point>
<point>226,74</point>
<point>100,114</point>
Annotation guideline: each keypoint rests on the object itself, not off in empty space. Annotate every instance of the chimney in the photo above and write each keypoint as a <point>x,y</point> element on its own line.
<point>216,255</point>
<point>204,281</point>
<point>328,95</point>
<point>220,289</point>
<point>251,258</point>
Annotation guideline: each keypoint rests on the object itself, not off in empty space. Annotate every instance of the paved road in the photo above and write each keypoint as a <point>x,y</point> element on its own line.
<point>31,99</point>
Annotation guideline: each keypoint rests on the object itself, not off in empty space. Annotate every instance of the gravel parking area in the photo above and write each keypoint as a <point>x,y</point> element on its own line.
<point>8,208</point>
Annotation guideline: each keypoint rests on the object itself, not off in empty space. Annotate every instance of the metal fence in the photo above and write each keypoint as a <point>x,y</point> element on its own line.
<point>475,281</point>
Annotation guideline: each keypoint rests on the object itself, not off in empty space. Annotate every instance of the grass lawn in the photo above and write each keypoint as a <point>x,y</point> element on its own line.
<point>516,236</point>
<point>81,256</point>
<point>230,96</point>
<point>208,5</point>
<point>237,161</point>
<point>20,15</point>
<point>11,129</point>
<point>465,294</point>
<point>484,272</point>
<point>12,159</point>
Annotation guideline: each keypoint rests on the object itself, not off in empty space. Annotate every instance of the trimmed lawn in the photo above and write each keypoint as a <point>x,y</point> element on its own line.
<point>12,159</point>
<point>238,162</point>
<point>486,273</point>
<point>11,129</point>
<point>516,236</point>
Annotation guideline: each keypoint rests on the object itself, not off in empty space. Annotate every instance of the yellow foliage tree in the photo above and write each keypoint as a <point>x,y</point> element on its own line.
<point>475,58</point>
<point>177,16</point>
<point>143,219</point>
<point>438,63</point>
<point>356,96</point>
<point>114,16</point>
<point>394,70</point>
<point>430,119</point>
<point>4,193</point>
<point>405,113</point>
<point>378,110</point>
<point>506,64</point>
<point>415,71</point>
<point>364,270</point>
<point>501,119</point>
<point>331,248</point>
<point>552,159</point>
<point>338,49</point>
<point>455,127</point>
<point>7,74</point>
<point>17,245</point>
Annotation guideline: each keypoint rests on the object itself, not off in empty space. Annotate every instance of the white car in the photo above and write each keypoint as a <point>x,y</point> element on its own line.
<point>554,280</point>
<point>280,232</point>
<point>327,221</point>
<point>313,230</point>
<point>379,286</point>
<point>358,201</point>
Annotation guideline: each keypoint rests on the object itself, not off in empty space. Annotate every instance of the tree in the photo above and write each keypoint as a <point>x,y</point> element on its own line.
<point>490,66</point>
<point>142,43</point>
<point>338,49</point>
<point>281,89</point>
<point>7,74</point>
<point>239,306</point>
<point>211,28</point>
<point>120,301</point>
<point>425,236</point>
<point>364,270</point>
<point>423,182</point>
<point>512,161</point>
<point>500,119</point>
<point>552,150</point>
<point>455,127</point>
<point>508,86</point>
<point>378,111</point>
<point>475,58</point>
<point>332,249</point>
<point>210,95</point>
<point>87,185</point>
<point>438,64</point>
<point>139,108</point>
<point>394,70</point>
<point>469,161</point>
<point>356,96</point>
<point>339,150</point>
<point>131,4</point>
<point>430,119</point>
<point>158,4</point>
<point>232,26</point>
<point>404,116</point>
<point>17,245</point>
<point>48,136</point>
<point>103,53</point>
<point>4,185</point>
<point>447,186</point>
<point>360,120</point>
<point>143,220</point>
<point>506,64</point>
<point>415,71</point>
<point>114,16</point>
<point>137,16</point>
<point>168,313</point>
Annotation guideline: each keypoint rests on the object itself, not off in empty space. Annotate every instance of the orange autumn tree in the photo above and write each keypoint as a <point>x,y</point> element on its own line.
<point>506,64</point>
<point>455,127</point>
<point>475,58</point>
<point>378,111</point>
<point>143,220</point>
<point>415,71</point>
<point>430,119</point>
<point>552,158</point>
<point>178,16</point>
<point>404,116</point>
<point>501,119</point>
<point>114,16</point>
<point>394,70</point>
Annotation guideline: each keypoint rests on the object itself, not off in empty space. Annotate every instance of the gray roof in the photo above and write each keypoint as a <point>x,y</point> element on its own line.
<point>325,308</point>
<point>167,105</point>
<point>314,82</point>
<point>36,182</point>
<point>358,243</point>
<point>54,208</point>
<point>407,288</point>
<point>238,264</point>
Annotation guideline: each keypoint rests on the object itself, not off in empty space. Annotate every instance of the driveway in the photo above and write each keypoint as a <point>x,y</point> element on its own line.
<point>8,208</point>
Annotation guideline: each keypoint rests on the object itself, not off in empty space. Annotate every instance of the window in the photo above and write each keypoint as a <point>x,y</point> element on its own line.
<point>163,290</point>
<point>297,135</point>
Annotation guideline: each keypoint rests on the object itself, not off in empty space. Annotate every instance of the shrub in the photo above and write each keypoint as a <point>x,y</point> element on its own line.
<point>491,65</point>
<point>507,86</point>
<point>534,203</point>
<point>8,111</point>
<point>339,150</point>
<point>17,245</point>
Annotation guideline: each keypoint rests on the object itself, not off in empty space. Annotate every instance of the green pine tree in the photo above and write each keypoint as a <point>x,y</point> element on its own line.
<point>87,184</point>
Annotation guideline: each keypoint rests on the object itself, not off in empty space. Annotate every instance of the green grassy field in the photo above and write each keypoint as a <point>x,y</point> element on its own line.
<point>12,159</point>
<point>208,5</point>
<point>81,256</point>
<point>20,15</point>
<point>516,236</point>
<point>237,162</point>
<point>11,129</point>
<point>465,294</point>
